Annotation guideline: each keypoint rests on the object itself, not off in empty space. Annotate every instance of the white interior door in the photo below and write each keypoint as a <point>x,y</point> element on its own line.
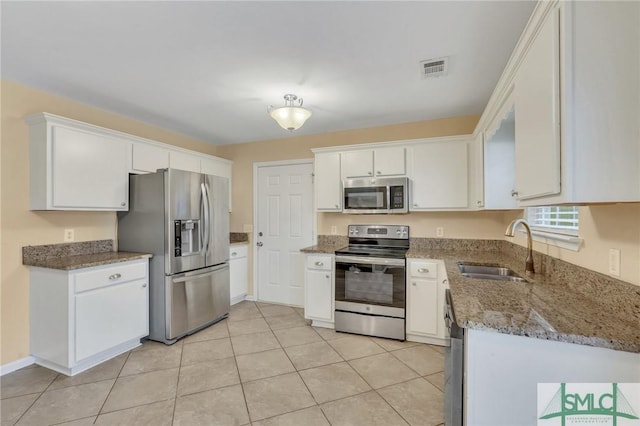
<point>284,225</point>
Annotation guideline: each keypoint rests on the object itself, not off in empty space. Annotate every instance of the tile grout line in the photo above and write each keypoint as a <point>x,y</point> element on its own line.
<point>244,395</point>
<point>175,398</point>
<point>35,400</point>
<point>112,386</point>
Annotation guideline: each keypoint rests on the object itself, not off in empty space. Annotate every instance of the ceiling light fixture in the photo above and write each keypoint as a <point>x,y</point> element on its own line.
<point>290,116</point>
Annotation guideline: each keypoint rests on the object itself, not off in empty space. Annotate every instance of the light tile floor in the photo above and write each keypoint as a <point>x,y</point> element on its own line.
<point>262,366</point>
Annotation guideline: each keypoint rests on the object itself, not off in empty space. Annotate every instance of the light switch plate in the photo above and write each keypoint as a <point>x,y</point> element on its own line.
<point>614,262</point>
<point>439,231</point>
<point>334,230</point>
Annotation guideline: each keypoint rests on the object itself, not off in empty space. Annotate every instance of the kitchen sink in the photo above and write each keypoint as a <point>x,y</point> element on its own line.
<point>489,272</point>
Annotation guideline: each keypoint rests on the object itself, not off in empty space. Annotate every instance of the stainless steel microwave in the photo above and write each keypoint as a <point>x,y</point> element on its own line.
<point>376,195</point>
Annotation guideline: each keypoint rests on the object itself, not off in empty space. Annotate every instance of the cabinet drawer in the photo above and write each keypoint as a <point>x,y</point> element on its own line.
<point>424,269</point>
<point>238,250</point>
<point>319,262</point>
<point>97,278</point>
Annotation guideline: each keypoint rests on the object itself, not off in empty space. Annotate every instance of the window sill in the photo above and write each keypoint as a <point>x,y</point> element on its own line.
<point>568,242</point>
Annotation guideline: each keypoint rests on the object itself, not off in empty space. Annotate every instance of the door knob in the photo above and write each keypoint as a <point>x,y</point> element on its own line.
<point>259,243</point>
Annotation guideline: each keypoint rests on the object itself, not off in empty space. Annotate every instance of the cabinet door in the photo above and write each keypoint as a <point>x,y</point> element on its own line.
<point>537,106</point>
<point>440,176</point>
<point>357,163</point>
<point>327,182</point>
<point>238,273</point>
<point>389,161</point>
<point>318,296</point>
<point>148,158</point>
<point>422,307</point>
<point>89,170</point>
<point>182,161</point>
<point>109,316</point>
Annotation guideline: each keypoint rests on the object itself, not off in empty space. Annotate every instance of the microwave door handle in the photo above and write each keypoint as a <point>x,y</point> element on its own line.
<point>389,198</point>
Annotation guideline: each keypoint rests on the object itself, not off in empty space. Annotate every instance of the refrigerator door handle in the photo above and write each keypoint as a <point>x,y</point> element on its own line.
<point>199,276</point>
<point>207,218</point>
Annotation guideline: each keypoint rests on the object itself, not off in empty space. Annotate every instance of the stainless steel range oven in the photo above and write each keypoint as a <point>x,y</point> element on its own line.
<point>370,281</point>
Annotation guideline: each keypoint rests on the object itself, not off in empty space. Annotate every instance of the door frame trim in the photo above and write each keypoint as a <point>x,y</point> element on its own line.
<point>314,224</point>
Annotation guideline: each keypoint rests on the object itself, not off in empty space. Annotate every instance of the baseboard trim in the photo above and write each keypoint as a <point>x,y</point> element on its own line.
<point>250,298</point>
<point>16,365</point>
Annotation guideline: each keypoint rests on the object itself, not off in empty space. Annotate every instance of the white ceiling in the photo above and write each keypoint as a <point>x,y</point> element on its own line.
<point>211,69</point>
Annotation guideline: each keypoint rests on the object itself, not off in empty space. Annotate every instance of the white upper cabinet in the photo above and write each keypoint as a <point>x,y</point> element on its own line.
<point>439,175</point>
<point>74,168</point>
<point>327,182</point>
<point>537,107</point>
<point>575,77</point>
<point>147,158</point>
<point>184,161</point>
<point>383,161</point>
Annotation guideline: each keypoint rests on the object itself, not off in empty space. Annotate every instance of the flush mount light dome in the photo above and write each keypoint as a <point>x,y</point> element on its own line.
<point>290,116</point>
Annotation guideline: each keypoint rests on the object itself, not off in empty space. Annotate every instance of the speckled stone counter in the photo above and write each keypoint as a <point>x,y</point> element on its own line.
<point>570,304</point>
<point>70,256</point>
<point>561,302</point>
<point>238,237</point>
<point>327,244</point>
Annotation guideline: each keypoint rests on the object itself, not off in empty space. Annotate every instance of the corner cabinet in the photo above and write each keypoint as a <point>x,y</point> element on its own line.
<point>83,317</point>
<point>319,290</point>
<point>439,175</point>
<point>73,167</point>
<point>426,285</point>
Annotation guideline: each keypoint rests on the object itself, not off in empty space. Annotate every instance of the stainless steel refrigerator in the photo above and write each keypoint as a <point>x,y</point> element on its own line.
<point>182,218</point>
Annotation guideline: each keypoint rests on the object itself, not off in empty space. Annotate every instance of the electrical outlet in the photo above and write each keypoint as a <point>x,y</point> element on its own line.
<point>69,236</point>
<point>614,262</point>
<point>247,228</point>
<point>439,231</point>
<point>334,230</point>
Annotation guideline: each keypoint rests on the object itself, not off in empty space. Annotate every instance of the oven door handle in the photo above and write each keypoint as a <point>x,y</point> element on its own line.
<point>370,260</point>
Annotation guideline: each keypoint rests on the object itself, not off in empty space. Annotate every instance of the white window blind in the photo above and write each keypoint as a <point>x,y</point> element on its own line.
<point>556,219</point>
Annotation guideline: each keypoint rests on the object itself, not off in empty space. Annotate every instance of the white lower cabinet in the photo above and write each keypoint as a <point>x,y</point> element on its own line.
<point>319,290</point>
<point>83,317</point>
<point>426,285</point>
<point>238,272</point>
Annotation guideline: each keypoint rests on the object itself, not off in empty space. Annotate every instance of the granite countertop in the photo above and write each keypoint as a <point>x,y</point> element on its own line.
<point>69,263</point>
<point>571,307</point>
<point>562,302</point>
<point>322,248</point>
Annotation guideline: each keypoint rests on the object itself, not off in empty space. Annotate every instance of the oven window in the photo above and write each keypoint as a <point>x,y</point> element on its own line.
<point>372,284</point>
<point>366,198</point>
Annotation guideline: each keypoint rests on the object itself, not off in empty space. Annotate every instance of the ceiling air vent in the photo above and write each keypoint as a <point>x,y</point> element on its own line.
<point>434,67</point>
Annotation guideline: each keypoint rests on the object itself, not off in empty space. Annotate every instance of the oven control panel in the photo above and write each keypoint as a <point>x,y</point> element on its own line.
<point>400,232</point>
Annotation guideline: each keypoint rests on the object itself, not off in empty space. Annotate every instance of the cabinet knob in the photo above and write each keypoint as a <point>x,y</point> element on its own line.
<point>423,270</point>
<point>378,172</point>
<point>337,206</point>
<point>327,276</point>
<point>415,205</point>
<point>234,254</point>
<point>144,285</point>
<point>318,263</point>
<point>370,173</point>
<point>413,284</point>
<point>123,204</point>
<point>479,202</point>
<point>114,276</point>
<point>514,193</point>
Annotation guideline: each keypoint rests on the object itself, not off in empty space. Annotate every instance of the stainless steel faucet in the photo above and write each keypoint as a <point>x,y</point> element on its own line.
<point>510,232</point>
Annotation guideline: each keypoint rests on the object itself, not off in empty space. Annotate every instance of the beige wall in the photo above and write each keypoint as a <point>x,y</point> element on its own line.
<point>602,227</point>
<point>21,227</point>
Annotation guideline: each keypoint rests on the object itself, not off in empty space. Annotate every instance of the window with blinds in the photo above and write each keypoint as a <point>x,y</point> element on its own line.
<point>555,219</point>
